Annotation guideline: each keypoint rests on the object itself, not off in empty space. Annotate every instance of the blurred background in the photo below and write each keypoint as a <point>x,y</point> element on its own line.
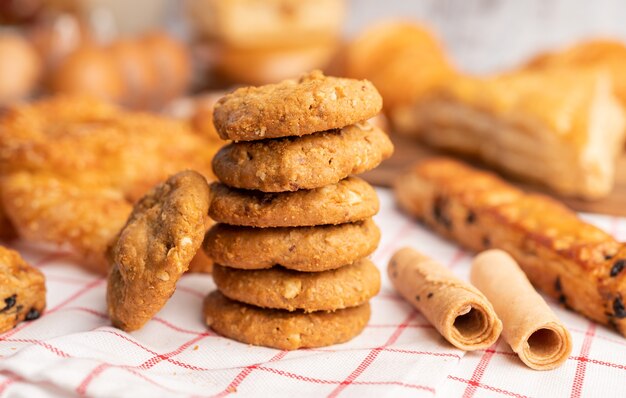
<point>115,49</point>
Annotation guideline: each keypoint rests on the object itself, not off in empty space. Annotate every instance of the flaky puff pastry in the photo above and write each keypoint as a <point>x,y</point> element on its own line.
<point>577,264</point>
<point>71,168</point>
<point>606,53</point>
<point>563,129</point>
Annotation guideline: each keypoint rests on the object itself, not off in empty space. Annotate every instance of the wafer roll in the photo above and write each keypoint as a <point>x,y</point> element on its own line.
<point>456,309</point>
<point>530,327</point>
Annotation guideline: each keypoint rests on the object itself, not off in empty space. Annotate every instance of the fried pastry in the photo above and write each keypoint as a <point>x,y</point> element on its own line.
<point>73,167</point>
<point>577,264</point>
<point>562,129</point>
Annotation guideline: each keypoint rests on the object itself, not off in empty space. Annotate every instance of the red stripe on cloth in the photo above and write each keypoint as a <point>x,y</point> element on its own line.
<point>490,388</point>
<point>10,380</point>
<point>162,357</point>
<point>82,387</point>
<point>191,291</point>
<point>43,344</point>
<point>479,371</point>
<point>579,377</point>
<point>373,354</point>
<point>232,387</point>
<point>315,380</point>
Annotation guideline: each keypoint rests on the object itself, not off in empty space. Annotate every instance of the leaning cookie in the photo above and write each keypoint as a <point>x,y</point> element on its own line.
<point>294,108</point>
<point>155,247</point>
<point>282,329</point>
<point>22,290</point>
<point>280,288</point>
<point>292,163</point>
<point>349,200</point>
<point>309,249</point>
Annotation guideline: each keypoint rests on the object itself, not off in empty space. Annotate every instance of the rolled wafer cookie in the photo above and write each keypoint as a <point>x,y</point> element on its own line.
<point>456,309</point>
<point>530,327</point>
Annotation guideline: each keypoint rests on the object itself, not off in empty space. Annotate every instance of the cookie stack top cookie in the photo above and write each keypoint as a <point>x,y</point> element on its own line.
<point>294,225</point>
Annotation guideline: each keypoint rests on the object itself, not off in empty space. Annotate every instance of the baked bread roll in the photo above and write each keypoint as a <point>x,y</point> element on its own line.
<point>576,263</point>
<point>563,129</point>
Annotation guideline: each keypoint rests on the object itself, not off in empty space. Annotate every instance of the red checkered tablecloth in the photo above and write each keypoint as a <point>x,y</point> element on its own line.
<point>72,349</point>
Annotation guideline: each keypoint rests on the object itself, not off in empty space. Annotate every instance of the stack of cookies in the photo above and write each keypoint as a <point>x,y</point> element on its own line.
<point>294,225</point>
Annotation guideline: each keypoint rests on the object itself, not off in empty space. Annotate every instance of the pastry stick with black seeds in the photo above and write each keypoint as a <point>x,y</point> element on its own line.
<point>576,263</point>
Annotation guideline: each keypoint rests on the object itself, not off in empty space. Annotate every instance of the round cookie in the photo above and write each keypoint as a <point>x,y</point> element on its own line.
<point>292,163</point>
<point>295,107</point>
<point>351,199</point>
<point>280,288</point>
<point>155,247</point>
<point>282,329</point>
<point>309,249</point>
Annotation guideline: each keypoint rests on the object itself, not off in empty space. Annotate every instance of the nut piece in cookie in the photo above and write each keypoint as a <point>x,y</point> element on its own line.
<point>280,288</point>
<point>282,329</point>
<point>351,199</point>
<point>22,290</point>
<point>292,163</point>
<point>308,249</point>
<point>155,247</point>
<point>295,107</point>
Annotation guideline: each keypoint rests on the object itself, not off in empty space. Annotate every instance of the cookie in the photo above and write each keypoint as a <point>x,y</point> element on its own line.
<point>281,288</point>
<point>22,290</point>
<point>351,199</point>
<point>292,163</point>
<point>155,247</point>
<point>295,107</point>
<point>282,329</point>
<point>309,249</point>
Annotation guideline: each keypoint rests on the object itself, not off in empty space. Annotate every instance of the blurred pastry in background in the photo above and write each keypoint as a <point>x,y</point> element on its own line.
<point>172,62</point>
<point>561,128</point>
<point>20,68</point>
<point>403,60</point>
<point>139,76</point>
<point>89,70</point>
<point>144,72</point>
<point>198,112</point>
<point>264,65</point>
<point>71,169</point>
<point>267,23</point>
<point>57,36</point>
<point>606,53</point>
<point>260,42</point>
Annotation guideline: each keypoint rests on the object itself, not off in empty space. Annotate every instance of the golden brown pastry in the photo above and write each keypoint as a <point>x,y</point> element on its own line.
<point>403,60</point>
<point>263,23</point>
<point>71,168</point>
<point>20,68</point>
<point>90,70</point>
<point>264,65</point>
<point>576,263</point>
<point>605,53</point>
<point>563,129</point>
